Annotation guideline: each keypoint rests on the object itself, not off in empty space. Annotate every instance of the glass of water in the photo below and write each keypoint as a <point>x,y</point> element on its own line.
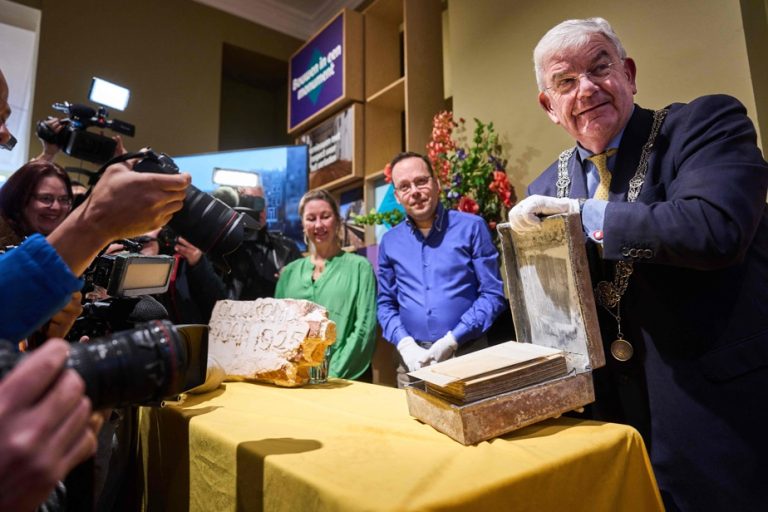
<point>319,374</point>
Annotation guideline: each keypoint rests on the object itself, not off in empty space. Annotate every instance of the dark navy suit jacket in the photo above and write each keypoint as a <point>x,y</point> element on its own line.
<point>696,309</point>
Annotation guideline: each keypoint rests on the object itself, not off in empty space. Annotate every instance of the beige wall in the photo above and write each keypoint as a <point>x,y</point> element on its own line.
<point>683,49</point>
<point>167,52</point>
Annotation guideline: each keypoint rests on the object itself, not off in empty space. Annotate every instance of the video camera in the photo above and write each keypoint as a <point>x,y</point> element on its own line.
<point>76,141</point>
<point>129,274</point>
<point>140,366</point>
<point>128,278</point>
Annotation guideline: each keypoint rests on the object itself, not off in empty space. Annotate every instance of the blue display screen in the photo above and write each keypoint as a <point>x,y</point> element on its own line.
<point>283,171</point>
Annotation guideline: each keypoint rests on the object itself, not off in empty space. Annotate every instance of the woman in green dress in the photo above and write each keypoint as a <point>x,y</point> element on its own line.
<point>341,282</point>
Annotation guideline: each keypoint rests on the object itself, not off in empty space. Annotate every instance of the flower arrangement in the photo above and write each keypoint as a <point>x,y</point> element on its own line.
<point>472,177</point>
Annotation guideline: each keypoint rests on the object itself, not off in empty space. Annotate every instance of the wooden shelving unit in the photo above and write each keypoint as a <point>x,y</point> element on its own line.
<point>403,70</point>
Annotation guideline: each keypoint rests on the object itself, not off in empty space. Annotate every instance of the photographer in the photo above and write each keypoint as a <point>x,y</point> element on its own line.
<point>44,425</point>
<point>257,264</point>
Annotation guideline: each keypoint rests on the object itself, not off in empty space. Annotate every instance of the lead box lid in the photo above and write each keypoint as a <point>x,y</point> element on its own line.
<point>550,289</point>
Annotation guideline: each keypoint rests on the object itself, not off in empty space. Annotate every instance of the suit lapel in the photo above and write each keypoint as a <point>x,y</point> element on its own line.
<point>635,135</point>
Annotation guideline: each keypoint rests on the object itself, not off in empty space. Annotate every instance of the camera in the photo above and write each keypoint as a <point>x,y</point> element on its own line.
<point>140,366</point>
<point>76,141</point>
<point>167,239</point>
<point>129,275</point>
<point>128,278</point>
<point>208,223</point>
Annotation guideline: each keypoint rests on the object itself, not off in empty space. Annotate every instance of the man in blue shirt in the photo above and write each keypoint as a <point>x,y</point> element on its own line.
<point>439,283</point>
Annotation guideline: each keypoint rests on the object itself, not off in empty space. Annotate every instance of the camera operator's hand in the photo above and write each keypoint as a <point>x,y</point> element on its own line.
<point>50,150</point>
<point>46,426</point>
<point>61,323</point>
<point>122,204</point>
<point>120,148</point>
<point>191,253</point>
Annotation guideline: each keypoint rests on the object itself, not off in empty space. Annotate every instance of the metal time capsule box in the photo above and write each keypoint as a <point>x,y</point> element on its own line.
<point>550,291</point>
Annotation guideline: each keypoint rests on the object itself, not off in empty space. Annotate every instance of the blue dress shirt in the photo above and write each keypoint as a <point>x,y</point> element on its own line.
<point>448,281</point>
<point>35,284</point>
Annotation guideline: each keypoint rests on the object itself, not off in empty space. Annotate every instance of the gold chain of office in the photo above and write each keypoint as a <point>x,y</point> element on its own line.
<point>609,294</point>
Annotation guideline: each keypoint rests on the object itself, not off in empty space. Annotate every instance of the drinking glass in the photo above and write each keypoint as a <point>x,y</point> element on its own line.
<point>319,374</point>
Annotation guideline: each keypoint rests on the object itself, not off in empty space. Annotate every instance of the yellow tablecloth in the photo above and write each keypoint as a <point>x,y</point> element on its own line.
<point>349,446</point>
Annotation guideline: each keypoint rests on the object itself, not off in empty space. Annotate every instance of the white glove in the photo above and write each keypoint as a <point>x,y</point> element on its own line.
<point>525,215</point>
<point>411,353</point>
<point>442,349</point>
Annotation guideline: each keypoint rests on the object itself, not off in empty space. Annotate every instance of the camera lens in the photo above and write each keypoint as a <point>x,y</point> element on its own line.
<point>141,365</point>
<point>208,224</point>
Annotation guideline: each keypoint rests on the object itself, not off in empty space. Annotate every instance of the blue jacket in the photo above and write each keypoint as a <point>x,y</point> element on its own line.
<point>35,284</point>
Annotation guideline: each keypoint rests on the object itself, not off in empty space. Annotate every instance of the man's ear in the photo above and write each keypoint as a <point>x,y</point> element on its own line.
<point>630,70</point>
<point>546,103</point>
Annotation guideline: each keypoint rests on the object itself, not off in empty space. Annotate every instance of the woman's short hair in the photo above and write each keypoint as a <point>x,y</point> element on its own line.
<point>17,192</point>
<point>570,34</point>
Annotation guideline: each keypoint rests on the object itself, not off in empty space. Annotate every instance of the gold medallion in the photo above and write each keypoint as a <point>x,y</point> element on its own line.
<point>622,350</point>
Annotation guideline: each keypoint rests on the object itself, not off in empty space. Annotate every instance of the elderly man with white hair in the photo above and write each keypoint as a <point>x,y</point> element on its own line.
<point>673,206</point>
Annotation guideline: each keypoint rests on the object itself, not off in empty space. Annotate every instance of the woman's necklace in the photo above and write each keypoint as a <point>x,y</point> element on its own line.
<point>319,268</point>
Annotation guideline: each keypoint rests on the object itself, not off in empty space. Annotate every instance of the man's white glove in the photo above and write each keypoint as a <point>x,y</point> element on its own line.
<point>411,353</point>
<point>441,350</point>
<point>525,216</point>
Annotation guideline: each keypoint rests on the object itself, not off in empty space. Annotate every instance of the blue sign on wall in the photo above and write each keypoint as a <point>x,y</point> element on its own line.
<point>317,73</point>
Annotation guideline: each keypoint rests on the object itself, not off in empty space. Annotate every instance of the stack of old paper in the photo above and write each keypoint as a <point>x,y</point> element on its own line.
<point>492,371</point>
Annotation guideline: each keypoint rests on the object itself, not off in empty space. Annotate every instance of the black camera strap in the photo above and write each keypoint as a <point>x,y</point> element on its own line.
<point>94,177</point>
<point>119,159</point>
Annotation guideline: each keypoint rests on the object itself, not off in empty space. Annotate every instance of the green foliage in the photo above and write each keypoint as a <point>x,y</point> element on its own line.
<point>391,218</point>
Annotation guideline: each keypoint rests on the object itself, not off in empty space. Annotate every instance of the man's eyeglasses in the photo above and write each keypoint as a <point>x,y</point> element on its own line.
<point>568,82</point>
<point>420,182</point>
<point>48,199</point>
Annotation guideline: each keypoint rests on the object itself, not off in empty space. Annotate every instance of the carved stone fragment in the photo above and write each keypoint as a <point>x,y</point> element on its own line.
<point>270,340</point>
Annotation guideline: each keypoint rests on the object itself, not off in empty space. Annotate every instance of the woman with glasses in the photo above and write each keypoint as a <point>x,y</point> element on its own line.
<point>341,282</point>
<point>35,199</point>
